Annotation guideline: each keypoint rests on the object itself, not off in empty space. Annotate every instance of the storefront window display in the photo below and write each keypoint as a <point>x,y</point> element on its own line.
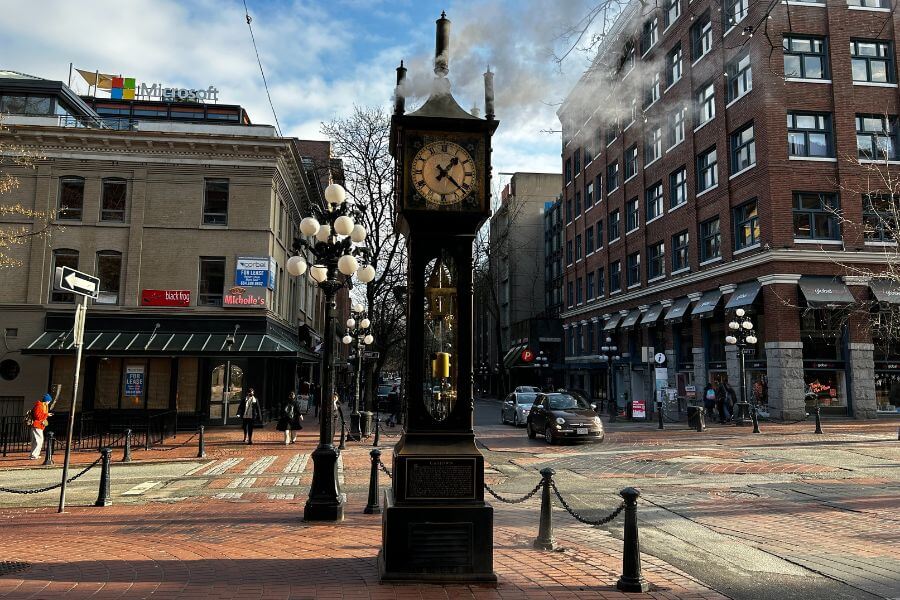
<point>887,391</point>
<point>826,389</point>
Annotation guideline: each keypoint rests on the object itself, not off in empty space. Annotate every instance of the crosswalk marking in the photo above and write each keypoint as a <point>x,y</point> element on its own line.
<point>140,488</point>
<point>242,482</point>
<point>229,496</point>
<point>260,465</point>
<point>220,468</point>
<point>284,481</point>
<point>297,464</point>
<point>281,496</point>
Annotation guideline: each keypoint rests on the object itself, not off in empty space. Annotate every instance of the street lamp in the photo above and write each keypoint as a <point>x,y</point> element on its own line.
<point>608,355</point>
<point>336,252</point>
<point>742,335</point>
<point>485,371</point>
<point>541,362</point>
<point>358,328</point>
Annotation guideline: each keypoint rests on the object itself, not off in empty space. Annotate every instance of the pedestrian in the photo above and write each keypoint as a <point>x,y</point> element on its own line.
<point>37,419</point>
<point>289,422</point>
<point>248,411</point>
<point>338,411</point>
<point>721,395</point>
<point>709,399</point>
<point>730,401</point>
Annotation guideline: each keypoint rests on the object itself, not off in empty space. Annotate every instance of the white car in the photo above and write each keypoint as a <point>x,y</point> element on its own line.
<point>516,407</point>
<point>528,389</point>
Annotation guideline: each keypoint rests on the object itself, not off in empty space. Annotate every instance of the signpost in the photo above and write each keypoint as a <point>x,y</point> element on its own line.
<point>86,286</point>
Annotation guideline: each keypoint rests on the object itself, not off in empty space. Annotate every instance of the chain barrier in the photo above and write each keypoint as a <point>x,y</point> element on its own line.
<point>527,496</point>
<point>181,445</point>
<point>581,519</point>
<point>780,422</point>
<point>385,469</point>
<point>383,433</point>
<point>52,487</point>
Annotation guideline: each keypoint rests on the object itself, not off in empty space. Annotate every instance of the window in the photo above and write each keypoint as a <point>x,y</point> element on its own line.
<point>109,271</point>
<point>589,195</point>
<point>654,200</point>
<point>600,233</point>
<point>612,131</point>
<point>112,204</point>
<point>880,217</point>
<point>568,170</point>
<point>656,260</point>
<point>632,220</point>
<point>589,240</point>
<point>653,90</point>
<point>577,156</point>
<point>809,134</point>
<point>632,115</point>
<point>677,187</point>
<point>62,258</point>
<point>872,61</point>
<point>212,281</point>
<point>673,11</point>
<point>615,276</point>
<point>589,285</point>
<point>633,274</point>
<point>746,225</point>
<point>627,62</point>
<point>578,247</point>
<point>569,252</point>
<point>601,282</point>
<point>707,173</point>
<point>570,293</point>
<point>631,162</point>
<point>743,149</point>
<point>649,35</point>
<point>614,225</point>
<point>588,154</point>
<point>735,11</point>
<point>612,177</point>
<point>701,36</point>
<point>577,204</point>
<point>71,199</point>
<point>710,240</point>
<point>816,216</point>
<point>680,243</point>
<point>673,65</point>
<point>870,3</point>
<point>876,137</point>
<point>653,150</point>
<point>676,127</point>
<point>706,103</point>
<point>579,291</point>
<point>598,186</point>
<point>568,210</point>
<point>805,57</point>
<point>740,77</point>
<point>215,206</point>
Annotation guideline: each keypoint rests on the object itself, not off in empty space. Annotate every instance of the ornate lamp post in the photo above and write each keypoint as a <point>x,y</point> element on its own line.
<point>485,372</point>
<point>742,335</point>
<point>609,356</point>
<point>335,253</point>
<point>541,362</point>
<point>357,329</point>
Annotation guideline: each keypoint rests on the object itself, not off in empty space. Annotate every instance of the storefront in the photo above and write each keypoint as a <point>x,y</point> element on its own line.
<point>887,387</point>
<point>886,326</point>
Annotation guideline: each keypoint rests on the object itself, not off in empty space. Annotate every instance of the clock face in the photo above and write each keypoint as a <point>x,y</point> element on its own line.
<point>443,173</point>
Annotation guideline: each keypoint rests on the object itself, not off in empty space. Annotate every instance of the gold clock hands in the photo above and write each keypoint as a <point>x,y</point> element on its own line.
<point>454,182</point>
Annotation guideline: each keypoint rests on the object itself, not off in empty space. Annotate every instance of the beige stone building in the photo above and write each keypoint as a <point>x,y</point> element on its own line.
<point>188,223</point>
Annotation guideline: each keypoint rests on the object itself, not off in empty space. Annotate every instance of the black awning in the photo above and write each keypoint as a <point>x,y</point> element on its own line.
<point>652,315</point>
<point>825,292</point>
<point>707,303</point>
<point>678,309</point>
<point>886,290</point>
<point>611,323</point>
<point>631,319</point>
<point>744,295</point>
<point>511,355</point>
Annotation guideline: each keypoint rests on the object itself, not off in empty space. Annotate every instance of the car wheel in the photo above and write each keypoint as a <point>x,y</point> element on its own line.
<point>548,436</point>
<point>530,430</point>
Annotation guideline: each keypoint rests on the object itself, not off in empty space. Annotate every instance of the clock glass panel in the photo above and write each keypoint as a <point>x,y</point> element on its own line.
<point>443,172</point>
<point>441,321</point>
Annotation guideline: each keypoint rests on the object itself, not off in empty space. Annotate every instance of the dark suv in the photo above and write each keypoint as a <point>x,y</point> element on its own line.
<point>561,415</point>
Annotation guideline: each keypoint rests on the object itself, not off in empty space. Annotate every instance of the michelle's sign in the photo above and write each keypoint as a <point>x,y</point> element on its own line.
<point>245,297</point>
<point>165,297</point>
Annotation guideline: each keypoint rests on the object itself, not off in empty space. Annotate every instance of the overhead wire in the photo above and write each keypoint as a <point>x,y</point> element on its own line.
<point>261,70</point>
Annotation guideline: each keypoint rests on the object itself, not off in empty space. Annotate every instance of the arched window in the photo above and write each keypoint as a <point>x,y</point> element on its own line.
<point>63,257</point>
<point>114,200</point>
<point>71,199</point>
<point>109,271</point>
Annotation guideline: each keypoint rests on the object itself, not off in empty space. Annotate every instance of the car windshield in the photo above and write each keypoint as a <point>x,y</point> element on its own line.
<point>566,402</point>
<point>384,389</point>
<point>522,398</point>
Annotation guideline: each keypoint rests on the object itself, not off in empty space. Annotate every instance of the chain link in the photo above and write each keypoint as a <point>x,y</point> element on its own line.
<point>385,469</point>
<point>527,496</point>
<point>581,519</point>
<point>181,445</point>
<point>52,487</point>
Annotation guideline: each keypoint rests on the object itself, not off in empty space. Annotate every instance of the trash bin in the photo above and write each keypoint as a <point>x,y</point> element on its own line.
<point>695,418</point>
<point>365,423</point>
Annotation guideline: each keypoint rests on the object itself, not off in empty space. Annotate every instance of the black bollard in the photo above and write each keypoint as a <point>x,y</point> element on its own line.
<point>103,494</point>
<point>613,409</point>
<point>373,507</point>
<point>126,457</point>
<point>631,580</point>
<point>48,453</point>
<point>659,413</point>
<point>818,420</point>
<point>544,539</point>
<point>701,420</point>
<point>201,445</point>
<point>755,418</point>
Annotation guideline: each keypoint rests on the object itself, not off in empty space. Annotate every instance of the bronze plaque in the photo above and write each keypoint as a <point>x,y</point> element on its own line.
<point>440,478</point>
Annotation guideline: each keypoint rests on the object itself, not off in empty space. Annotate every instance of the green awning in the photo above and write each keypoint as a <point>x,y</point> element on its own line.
<point>707,303</point>
<point>678,308</point>
<point>825,292</point>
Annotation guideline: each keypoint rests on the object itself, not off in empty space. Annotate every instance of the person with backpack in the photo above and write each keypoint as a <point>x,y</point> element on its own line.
<point>289,422</point>
<point>37,419</point>
<point>248,411</point>
<point>709,399</point>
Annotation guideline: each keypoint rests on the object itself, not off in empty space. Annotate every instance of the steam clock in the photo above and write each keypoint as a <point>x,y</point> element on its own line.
<point>436,524</point>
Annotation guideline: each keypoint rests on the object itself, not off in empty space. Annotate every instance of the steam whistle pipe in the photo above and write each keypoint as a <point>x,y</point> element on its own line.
<point>442,46</point>
<point>489,95</point>
<point>399,95</point>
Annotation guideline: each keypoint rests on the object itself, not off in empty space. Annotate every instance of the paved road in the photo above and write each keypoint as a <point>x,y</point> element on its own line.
<point>786,516</point>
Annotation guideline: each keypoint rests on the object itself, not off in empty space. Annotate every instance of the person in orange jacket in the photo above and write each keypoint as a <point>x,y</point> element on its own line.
<point>40,412</point>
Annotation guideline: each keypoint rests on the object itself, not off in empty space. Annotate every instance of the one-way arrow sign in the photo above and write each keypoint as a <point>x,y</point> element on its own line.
<point>70,280</point>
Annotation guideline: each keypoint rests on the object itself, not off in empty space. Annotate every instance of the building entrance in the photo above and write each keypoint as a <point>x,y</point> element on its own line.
<point>225,390</point>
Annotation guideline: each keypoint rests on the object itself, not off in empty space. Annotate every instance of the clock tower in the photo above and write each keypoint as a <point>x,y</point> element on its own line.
<point>436,524</point>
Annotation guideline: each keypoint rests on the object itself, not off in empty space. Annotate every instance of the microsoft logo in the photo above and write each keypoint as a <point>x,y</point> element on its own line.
<point>122,88</point>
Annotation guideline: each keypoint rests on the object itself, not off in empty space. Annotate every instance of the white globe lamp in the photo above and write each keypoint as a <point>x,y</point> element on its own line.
<point>296,266</point>
<point>343,225</point>
<point>358,234</point>
<point>348,264</point>
<point>335,194</point>
<point>366,274</point>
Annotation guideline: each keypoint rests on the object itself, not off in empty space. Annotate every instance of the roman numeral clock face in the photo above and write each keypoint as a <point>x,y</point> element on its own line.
<point>443,173</point>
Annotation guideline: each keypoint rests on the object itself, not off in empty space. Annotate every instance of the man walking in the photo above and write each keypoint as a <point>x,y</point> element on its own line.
<point>38,416</point>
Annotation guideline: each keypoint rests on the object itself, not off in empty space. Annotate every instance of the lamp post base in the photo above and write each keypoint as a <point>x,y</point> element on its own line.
<point>326,502</point>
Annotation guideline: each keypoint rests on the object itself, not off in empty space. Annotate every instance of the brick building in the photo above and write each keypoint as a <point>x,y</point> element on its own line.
<point>186,212</point>
<point>707,156</point>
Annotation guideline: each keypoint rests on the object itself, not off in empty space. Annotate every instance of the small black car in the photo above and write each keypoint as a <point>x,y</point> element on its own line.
<point>561,415</point>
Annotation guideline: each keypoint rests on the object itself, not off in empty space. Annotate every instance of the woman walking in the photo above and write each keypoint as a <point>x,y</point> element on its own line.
<point>248,411</point>
<point>289,422</point>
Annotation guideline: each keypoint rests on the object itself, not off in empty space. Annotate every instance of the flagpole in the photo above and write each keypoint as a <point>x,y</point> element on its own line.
<point>70,74</point>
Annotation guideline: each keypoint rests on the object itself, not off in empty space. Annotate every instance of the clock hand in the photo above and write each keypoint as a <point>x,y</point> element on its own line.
<point>454,182</point>
<point>442,172</point>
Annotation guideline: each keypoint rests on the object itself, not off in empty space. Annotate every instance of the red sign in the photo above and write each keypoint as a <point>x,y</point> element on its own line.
<point>638,409</point>
<point>245,297</point>
<point>166,297</point>
<point>527,356</point>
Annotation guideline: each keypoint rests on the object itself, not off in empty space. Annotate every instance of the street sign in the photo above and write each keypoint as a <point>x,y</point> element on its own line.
<point>70,280</point>
<point>372,355</point>
<point>660,358</point>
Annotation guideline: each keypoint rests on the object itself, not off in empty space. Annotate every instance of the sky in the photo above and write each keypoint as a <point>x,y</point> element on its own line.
<point>320,57</point>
